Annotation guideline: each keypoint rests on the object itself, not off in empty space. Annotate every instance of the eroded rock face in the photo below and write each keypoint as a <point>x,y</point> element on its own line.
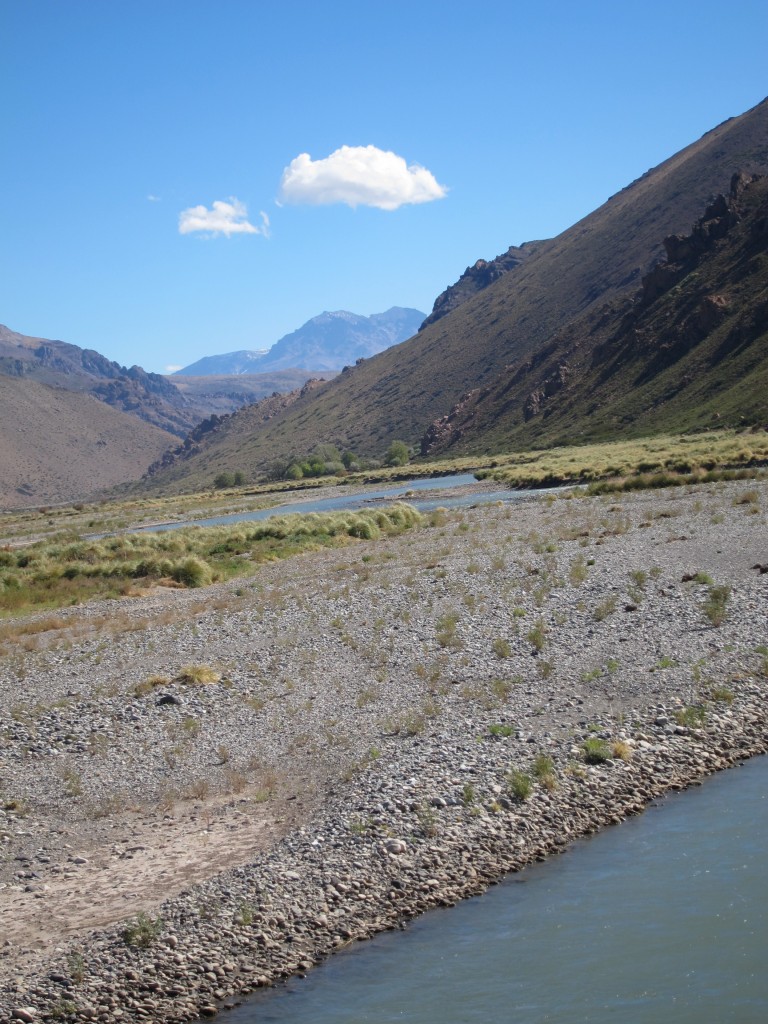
<point>478,277</point>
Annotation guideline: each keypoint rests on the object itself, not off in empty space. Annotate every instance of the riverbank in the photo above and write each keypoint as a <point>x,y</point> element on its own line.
<point>355,762</point>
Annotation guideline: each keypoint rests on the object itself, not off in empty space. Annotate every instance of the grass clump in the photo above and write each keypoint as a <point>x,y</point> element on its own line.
<point>716,604</point>
<point>543,771</point>
<point>143,931</point>
<point>501,648</point>
<point>537,635</point>
<point>499,729</point>
<point>519,784</point>
<point>722,694</point>
<point>596,751</point>
<point>198,675</point>
<point>606,607</point>
<point>621,750</point>
<point>692,717</point>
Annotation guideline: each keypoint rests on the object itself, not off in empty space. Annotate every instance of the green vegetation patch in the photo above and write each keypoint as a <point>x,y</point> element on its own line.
<point>62,571</point>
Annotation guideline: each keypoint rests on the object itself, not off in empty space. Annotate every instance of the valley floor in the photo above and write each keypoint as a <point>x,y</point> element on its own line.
<point>360,751</point>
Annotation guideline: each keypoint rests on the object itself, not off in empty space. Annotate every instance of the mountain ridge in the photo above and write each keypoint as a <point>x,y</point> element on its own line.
<point>326,342</point>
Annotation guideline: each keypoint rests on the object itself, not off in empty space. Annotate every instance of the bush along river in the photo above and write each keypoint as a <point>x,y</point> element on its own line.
<point>664,918</point>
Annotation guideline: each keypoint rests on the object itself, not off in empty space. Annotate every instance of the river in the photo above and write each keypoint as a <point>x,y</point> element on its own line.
<point>415,492</point>
<point>661,919</point>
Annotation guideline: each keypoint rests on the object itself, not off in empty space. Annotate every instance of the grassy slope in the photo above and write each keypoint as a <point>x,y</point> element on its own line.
<point>399,392</point>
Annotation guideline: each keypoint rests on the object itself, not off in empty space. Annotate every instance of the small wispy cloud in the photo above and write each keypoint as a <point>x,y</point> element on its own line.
<point>359,176</point>
<point>223,218</point>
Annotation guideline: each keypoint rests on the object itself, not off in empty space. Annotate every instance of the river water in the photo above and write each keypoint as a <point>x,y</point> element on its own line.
<point>661,919</point>
<point>415,492</point>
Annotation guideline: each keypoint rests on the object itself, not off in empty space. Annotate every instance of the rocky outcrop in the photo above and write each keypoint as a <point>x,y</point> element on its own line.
<point>478,277</point>
<point>684,250</point>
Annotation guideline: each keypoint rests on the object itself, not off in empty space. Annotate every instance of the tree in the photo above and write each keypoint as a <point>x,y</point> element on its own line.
<point>397,454</point>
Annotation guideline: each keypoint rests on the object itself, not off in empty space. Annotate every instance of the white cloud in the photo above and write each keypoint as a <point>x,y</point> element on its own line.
<point>229,218</point>
<point>358,176</point>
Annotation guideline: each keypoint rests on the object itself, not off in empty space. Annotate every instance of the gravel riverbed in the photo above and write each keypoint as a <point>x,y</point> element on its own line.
<point>360,752</point>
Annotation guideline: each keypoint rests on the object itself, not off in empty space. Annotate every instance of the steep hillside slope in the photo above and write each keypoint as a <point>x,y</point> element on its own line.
<point>58,445</point>
<point>216,444</point>
<point>689,350</point>
<point>477,278</point>
<point>401,391</point>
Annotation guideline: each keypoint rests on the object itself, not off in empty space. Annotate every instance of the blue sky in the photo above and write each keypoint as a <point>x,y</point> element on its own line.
<point>361,155</point>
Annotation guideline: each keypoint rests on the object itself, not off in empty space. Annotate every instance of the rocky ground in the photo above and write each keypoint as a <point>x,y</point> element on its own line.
<point>203,792</point>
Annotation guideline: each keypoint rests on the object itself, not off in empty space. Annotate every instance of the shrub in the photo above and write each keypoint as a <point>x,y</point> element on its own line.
<point>397,454</point>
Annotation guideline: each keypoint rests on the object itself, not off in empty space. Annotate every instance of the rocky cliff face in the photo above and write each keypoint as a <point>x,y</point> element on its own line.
<point>476,278</point>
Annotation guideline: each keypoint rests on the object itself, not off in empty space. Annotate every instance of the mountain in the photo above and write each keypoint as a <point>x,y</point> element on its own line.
<point>62,445</point>
<point>688,350</point>
<point>326,342</point>
<point>222,395</point>
<point>601,259</point>
<point>149,396</point>
<point>227,364</point>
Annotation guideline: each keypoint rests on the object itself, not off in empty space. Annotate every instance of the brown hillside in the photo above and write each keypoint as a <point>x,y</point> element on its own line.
<point>58,445</point>
<point>687,351</point>
<point>401,391</point>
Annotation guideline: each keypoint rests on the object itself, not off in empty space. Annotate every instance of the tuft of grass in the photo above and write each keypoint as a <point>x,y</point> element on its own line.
<point>519,784</point>
<point>621,750</point>
<point>143,931</point>
<point>716,604</point>
<point>198,675</point>
<point>499,729</point>
<point>596,751</point>
<point>501,648</point>
<point>606,607</point>
<point>692,717</point>
<point>146,686</point>
<point>537,635</point>
<point>722,694</point>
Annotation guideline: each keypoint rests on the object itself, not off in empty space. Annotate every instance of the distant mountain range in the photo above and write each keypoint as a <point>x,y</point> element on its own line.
<point>521,346</point>
<point>329,341</point>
